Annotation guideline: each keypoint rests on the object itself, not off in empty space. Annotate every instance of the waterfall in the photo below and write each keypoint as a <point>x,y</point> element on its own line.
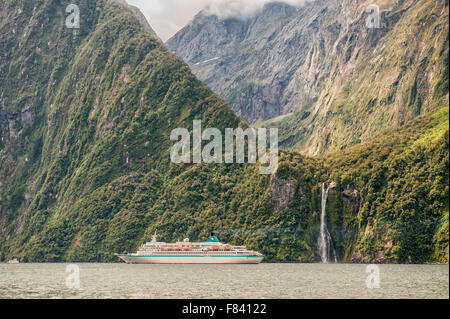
<point>325,243</point>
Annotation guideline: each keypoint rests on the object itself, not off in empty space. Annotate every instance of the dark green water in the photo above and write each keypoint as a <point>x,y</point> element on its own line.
<point>286,281</point>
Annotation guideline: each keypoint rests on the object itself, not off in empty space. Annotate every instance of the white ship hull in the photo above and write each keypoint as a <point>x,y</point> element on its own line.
<point>131,259</point>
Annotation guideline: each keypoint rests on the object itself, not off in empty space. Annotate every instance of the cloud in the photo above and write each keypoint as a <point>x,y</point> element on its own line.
<point>243,8</point>
<point>168,16</point>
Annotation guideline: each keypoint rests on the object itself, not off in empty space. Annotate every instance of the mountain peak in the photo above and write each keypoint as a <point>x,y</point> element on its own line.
<point>307,69</point>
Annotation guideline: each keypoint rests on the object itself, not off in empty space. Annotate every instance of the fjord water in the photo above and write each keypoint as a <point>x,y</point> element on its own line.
<point>285,281</point>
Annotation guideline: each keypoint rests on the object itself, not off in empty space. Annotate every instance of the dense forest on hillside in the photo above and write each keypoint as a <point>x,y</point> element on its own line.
<point>85,170</point>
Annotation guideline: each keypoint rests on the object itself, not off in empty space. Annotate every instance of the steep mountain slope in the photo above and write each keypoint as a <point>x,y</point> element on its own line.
<point>404,195</point>
<point>334,81</point>
<point>85,171</point>
<point>82,109</point>
<point>388,200</point>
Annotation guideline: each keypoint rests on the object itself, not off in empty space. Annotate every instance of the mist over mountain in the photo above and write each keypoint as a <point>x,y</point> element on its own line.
<point>169,16</point>
<point>325,78</point>
<point>85,121</point>
<point>243,9</point>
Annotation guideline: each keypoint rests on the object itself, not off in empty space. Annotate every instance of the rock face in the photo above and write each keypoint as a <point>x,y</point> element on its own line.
<point>352,199</point>
<point>378,258</point>
<point>252,63</point>
<point>283,191</point>
<point>334,81</point>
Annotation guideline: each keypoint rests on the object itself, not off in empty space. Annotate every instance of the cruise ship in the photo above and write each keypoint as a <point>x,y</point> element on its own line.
<point>186,252</point>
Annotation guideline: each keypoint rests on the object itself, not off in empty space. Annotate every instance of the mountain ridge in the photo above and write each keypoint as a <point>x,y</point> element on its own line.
<point>85,171</point>
<point>333,81</point>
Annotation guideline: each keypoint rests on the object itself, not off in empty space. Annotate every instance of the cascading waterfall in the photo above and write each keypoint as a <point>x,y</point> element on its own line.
<point>325,243</point>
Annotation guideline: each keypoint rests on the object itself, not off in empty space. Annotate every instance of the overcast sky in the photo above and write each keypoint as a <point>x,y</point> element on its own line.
<point>168,16</point>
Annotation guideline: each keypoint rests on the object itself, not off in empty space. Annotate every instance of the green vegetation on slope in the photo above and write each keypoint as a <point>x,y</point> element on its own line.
<point>85,170</point>
<point>104,115</point>
<point>319,73</point>
<point>403,177</point>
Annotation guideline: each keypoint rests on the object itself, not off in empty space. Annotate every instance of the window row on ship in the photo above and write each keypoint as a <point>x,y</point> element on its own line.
<point>189,253</point>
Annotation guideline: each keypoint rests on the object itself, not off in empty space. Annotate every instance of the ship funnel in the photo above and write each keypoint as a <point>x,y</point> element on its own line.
<point>212,239</point>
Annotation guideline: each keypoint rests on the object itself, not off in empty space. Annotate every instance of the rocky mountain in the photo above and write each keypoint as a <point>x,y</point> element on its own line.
<point>318,72</point>
<point>85,172</point>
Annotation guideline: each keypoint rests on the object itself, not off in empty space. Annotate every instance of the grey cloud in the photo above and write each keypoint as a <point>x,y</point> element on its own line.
<point>168,16</point>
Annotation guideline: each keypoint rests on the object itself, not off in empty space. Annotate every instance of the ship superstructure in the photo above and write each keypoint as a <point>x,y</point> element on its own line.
<point>186,252</point>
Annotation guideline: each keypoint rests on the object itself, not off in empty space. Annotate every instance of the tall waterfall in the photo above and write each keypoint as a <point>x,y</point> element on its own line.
<point>325,243</point>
